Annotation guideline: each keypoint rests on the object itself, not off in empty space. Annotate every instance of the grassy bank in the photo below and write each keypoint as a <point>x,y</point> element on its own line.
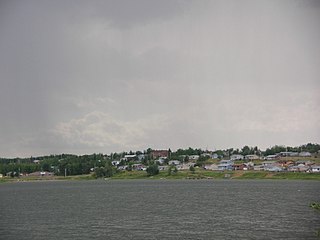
<point>202,174</point>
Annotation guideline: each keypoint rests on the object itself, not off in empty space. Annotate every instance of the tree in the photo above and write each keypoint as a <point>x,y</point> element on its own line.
<point>153,170</point>
<point>245,150</point>
<point>172,169</point>
<point>192,169</point>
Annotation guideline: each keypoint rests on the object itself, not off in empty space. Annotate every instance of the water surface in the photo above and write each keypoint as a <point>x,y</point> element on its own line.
<point>159,209</point>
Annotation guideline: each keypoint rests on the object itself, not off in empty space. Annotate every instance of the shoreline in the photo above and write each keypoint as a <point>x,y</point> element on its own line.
<point>187,175</point>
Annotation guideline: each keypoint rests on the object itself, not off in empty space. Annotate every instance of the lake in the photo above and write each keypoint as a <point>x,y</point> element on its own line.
<point>159,209</point>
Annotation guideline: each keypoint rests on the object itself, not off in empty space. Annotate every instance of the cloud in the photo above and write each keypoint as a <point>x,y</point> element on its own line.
<point>99,130</point>
<point>111,75</point>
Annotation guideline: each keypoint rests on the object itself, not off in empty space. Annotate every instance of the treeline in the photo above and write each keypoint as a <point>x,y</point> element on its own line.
<point>58,164</point>
<point>310,147</point>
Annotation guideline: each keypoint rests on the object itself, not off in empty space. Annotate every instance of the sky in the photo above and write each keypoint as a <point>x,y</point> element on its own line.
<point>96,76</point>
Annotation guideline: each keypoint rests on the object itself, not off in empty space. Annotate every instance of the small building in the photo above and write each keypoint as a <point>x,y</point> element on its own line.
<point>304,154</point>
<point>223,167</point>
<point>271,157</point>
<point>252,157</point>
<point>41,174</point>
<point>288,154</point>
<point>258,168</point>
<point>174,162</point>
<point>214,156</point>
<point>163,168</point>
<point>236,157</point>
<point>240,166</point>
<point>185,166</point>
<point>298,168</point>
<point>115,163</point>
<point>139,167</point>
<point>285,163</point>
<point>141,157</point>
<point>212,167</point>
<point>194,157</point>
<point>131,157</point>
<point>274,169</point>
<point>122,168</point>
<point>315,169</point>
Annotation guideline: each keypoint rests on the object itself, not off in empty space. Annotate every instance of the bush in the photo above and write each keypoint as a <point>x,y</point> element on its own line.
<point>153,170</point>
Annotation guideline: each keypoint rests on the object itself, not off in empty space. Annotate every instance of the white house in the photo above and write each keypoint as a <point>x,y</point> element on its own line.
<point>174,162</point>
<point>115,163</point>
<point>236,157</point>
<point>193,157</point>
<point>161,160</point>
<point>212,167</point>
<point>315,169</point>
<point>251,157</point>
<point>214,156</point>
<point>271,157</point>
<point>305,154</point>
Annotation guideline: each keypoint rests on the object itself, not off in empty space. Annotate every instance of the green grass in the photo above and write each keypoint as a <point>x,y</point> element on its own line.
<point>253,175</point>
<point>204,174</point>
<point>297,175</point>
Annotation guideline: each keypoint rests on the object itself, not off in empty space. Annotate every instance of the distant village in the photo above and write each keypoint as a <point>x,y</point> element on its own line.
<point>275,159</point>
<point>283,161</point>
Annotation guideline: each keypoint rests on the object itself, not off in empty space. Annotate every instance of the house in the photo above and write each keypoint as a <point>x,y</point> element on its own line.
<point>163,168</point>
<point>185,166</point>
<point>161,160</point>
<point>236,157</point>
<point>315,169</point>
<point>139,167</point>
<point>159,153</point>
<point>304,162</point>
<point>298,168</point>
<point>304,154</point>
<point>131,157</point>
<point>212,167</point>
<point>288,154</point>
<point>252,157</point>
<point>41,174</point>
<point>271,157</point>
<point>258,168</point>
<point>274,169</point>
<point>206,155</point>
<point>240,166</point>
<point>268,163</point>
<point>214,156</point>
<point>122,168</point>
<point>285,163</point>
<point>225,165</point>
<point>141,157</point>
<point>174,162</point>
<point>193,157</point>
<point>115,163</point>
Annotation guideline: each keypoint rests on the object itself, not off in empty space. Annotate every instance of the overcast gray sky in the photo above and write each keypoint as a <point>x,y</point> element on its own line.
<point>104,76</point>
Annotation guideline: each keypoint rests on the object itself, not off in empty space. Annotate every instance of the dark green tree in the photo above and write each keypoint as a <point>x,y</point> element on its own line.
<point>153,170</point>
